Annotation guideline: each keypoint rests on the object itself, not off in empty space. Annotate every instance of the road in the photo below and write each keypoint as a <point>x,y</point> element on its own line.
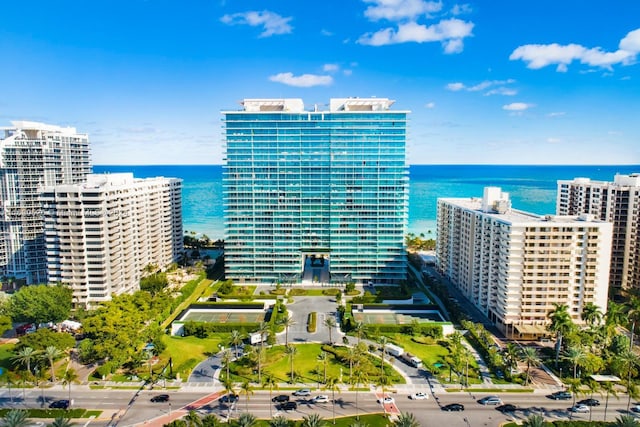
<point>115,403</point>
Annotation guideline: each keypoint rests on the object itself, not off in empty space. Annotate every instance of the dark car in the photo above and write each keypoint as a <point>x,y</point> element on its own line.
<point>589,402</point>
<point>507,407</point>
<point>280,398</point>
<point>229,398</point>
<point>288,406</point>
<point>560,395</point>
<point>60,404</point>
<point>160,398</point>
<point>453,407</point>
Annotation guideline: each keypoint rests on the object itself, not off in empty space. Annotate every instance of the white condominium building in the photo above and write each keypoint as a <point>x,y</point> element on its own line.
<point>100,235</point>
<point>617,202</point>
<point>33,155</point>
<point>515,265</point>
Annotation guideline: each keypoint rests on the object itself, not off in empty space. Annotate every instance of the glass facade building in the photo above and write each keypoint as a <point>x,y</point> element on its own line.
<point>315,196</point>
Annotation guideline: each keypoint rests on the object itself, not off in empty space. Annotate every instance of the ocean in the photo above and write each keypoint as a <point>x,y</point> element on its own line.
<point>532,188</point>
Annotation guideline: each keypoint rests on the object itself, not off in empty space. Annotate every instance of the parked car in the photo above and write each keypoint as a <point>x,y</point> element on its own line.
<point>229,398</point>
<point>60,404</point>
<point>508,407</point>
<point>302,392</point>
<point>453,407</point>
<point>387,400</point>
<point>160,398</point>
<point>280,398</point>
<point>490,400</point>
<point>579,408</point>
<point>287,406</point>
<point>419,396</point>
<point>322,398</point>
<point>589,402</point>
<point>560,395</point>
<point>635,408</point>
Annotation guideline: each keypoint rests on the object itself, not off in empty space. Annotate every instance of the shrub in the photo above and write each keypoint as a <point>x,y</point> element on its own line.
<point>311,322</point>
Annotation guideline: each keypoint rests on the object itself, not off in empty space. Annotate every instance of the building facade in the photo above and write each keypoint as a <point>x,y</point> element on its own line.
<point>33,155</point>
<point>315,196</point>
<point>100,235</point>
<point>617,202</point>
<point>515,265</point>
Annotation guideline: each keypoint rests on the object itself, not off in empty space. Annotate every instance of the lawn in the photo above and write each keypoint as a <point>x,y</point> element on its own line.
<point>307,366</point>
<point>6,353</point>
<point>371,420</point>
<point>187,352</point>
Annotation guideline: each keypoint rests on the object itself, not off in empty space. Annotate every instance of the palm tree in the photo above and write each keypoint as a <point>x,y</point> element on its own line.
<point>247,390</point>
<point>576,356</point>
<point>287,322</point>
<point>69,377</point>
<point>561,324</point>
<point>291,351</point>
<point>529,356</point>
<point>226,360</point>
<point>247,420</point>
<point>591,314</point>
<point>210,420</point>
<point>236,340</point>
<point>193,419</point>
<point>270,383</point>
<point>25,356</point>
<point>15,418</point>
<point>609,387</point>
<point>61,422</point>
<point>263,329</point>
<point>360,378</point>
<point>575,388</point>
<point>626,420</point>
<point>534,421</point>
<point>323,358</point>
<point>627,363</point>
<point>359,330</point>
<point>330,323</point>
<point>312,420</point>
<point>383,342</point>
<point>511,357</point>
<point>615,317</point>
<point>352,357</point>
<point>331,384</point>
<point>279,421</point>
<point>406,419</point>
<point>358,423</point>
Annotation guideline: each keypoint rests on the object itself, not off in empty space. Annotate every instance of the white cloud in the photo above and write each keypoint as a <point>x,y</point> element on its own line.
<point>553,140</point>
<point>304,80</point>
<point>271,22</point>
<point>556,114</point>
<point>461,9</point>
<point>517,106</point>
<point>430,105</point>
<point>450,32</point>
<point>326,32</point>
<point>330,68</point>
<point>398,10</point>
<point>347,72</point>
<point>498,87</point>
<point>537,56</point>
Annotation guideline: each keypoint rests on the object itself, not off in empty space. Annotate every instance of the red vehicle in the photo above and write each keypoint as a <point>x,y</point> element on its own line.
<point>25,329</point>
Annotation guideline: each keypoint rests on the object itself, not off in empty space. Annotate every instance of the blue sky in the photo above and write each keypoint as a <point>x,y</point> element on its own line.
<point>493,81</point>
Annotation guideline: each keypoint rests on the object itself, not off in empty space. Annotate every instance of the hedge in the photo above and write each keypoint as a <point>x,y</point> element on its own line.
<point>311,322</point>
<point>203,329</point>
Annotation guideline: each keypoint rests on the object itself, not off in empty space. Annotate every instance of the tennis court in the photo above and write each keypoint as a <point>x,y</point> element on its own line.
<point>223,316</point>
<point>391,318</point>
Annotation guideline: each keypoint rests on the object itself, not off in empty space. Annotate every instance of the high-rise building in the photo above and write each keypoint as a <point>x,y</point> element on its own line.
<point>33,155</point>
<point>515,265</point>
<point>102,234</point>
<point>617,202</point>
<point>315,196</point>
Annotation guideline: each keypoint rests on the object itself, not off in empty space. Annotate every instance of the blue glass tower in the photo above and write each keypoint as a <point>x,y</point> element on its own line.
<point>315,196</point>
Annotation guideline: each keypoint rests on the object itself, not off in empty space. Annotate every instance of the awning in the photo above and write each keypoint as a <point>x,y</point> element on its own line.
<point>531,329</point>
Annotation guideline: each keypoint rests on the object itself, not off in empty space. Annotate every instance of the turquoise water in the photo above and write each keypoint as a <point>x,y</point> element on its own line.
<point>532,188</point>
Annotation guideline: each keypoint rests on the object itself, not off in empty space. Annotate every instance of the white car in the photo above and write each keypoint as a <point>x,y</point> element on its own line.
<point>419,396</point>
<point>580,408</point>
<point>322,398</point>
<point>387,400</point>
<point>302,392</point>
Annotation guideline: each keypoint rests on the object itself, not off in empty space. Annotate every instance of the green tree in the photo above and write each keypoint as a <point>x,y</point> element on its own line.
<point>247,390</point>
<point>52,353</point>
<point>247,420</point>
<point>323,358</point>
<point>279,421</point>
<point>534,421</point>
<point>210,420</point>
<point>577,357</point>
<point>5,323</point>
<point>626,420</point>
<point>61,422</point>
<point>383,343</point>
<point>406,419</point>
<point>154,283</point>
<point>291,352</point>
<point>330,323</point>
<point>263,330</point>
<point>70,376</point>
<point>351,357</point>
<point>359,329</point>
<point>361,377</point>
<point>287,322</point>
<point>313,420</point>
<point>560,324</point>
<point>332,385</point>
<point>236,339</point>
<point>15,418</point>
<point>45,337</point>
<point>591,314</point>
<point>226,360</point>
<point>25,356</point>
<point>270,382</point>
<point>529,356</point>
<point>41,304</point>
<point>193,419</point>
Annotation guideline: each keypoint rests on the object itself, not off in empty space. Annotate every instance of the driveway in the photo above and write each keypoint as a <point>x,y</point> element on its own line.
<point>299,310</point>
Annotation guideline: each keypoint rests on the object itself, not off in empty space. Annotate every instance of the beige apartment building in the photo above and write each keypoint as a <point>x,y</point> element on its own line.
<point>617,202</point>
<point>33,155</point>
<point>515,265</point>
<point>100,235</point>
